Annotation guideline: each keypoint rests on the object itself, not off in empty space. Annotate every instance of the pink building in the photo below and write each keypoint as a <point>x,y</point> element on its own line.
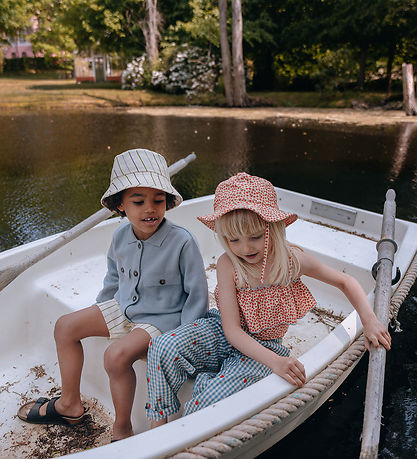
<point>19,46</point>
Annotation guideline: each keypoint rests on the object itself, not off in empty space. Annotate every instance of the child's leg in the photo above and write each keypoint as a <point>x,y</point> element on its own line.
<point>237,372</point>
<point>70,329</point>
<point>118,360</point>
<point>172,357</point>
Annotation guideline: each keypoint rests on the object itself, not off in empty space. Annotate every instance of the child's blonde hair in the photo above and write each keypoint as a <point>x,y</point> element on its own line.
<point>243,222</point>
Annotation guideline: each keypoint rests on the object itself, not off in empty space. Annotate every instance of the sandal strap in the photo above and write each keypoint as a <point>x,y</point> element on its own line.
<point>51,412</point>
<point>34,411</point>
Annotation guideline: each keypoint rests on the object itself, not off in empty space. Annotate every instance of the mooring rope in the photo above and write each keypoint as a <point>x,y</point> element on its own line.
<point>286,408</point>
<point>401,292</point>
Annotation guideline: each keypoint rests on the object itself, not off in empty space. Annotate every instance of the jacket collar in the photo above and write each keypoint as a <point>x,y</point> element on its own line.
<point>157,238</point>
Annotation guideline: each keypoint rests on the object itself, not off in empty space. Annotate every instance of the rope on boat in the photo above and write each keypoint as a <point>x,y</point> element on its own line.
<point>401,292</point>
<point>286,409</point>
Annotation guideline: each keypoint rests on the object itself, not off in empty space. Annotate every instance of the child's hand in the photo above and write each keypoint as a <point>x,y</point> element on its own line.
<point>374,332</point>
<point>290,369</point>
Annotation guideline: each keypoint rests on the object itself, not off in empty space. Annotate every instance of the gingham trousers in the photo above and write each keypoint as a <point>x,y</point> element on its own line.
<point>201,349</point>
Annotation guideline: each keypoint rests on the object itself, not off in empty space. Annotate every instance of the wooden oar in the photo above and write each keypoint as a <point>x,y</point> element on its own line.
<point>375,384</point>
<point>10,273</point>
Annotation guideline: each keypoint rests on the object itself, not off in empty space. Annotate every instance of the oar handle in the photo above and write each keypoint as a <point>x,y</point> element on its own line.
<point>10,273</point>
<point>375,383</point>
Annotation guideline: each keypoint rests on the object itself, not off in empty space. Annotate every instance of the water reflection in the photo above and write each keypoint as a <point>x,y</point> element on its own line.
<point>54,167</point>
<point>403,147</point>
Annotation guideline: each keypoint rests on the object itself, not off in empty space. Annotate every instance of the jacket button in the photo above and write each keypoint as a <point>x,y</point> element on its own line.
<point>135,273</point>
<point>122,269</point>
<point>139,245</point>
<point>134,298</point>
<point>162,281</point>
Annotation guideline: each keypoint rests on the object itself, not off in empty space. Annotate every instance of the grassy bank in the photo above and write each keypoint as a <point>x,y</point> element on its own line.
<point>43,92</point>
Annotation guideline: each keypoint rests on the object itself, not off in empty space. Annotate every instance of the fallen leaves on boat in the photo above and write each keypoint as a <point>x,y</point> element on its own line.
<point>19,439</point>
<point>46,441</point>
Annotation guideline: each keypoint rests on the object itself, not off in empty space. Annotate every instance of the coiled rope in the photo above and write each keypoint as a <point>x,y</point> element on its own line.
<point>289,407</point>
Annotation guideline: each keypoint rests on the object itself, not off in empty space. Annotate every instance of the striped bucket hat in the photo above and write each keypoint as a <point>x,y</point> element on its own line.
<point>140,168</point>
<point>244,191</point>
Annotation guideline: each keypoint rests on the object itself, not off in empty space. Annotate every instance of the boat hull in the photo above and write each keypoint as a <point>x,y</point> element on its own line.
<point>70,279</point>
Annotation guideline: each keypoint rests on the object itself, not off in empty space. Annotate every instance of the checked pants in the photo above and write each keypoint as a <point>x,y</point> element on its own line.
<point>199,349</point>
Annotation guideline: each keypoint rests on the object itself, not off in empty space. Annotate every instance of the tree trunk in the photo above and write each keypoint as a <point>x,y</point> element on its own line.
<point>362,66</point>
<point>151,32</point>
<point>225,50</point>
<point>391,54</point>
<point>240,96</point>
<point>408,90</point>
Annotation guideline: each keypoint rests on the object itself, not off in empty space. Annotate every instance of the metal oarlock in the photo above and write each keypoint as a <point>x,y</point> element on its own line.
<point>375,272</point>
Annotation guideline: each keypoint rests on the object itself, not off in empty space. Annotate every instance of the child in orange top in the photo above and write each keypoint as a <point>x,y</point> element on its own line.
<point>259,294</point>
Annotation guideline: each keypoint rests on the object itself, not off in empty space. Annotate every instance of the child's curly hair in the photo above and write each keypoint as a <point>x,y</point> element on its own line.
<point>112,202</point>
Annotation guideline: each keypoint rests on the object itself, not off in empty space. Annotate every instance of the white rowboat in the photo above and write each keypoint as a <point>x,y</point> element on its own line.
<point>70,278</point>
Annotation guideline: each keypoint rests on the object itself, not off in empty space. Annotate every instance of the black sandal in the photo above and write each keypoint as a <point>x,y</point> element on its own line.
<point>51,416</point>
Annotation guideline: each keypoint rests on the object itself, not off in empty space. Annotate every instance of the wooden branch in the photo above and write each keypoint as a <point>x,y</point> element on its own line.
<point>375,384</point>
<point>10,273</point>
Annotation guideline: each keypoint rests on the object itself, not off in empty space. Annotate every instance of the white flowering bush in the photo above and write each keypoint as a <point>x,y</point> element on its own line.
<point>135,74</point>
<point>190,70</point>
<point>158,79</point>
<point>184,69</point>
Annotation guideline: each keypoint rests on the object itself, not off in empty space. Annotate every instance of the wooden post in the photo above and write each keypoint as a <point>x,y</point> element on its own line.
<point>408,90</point>
<point>375,384</point>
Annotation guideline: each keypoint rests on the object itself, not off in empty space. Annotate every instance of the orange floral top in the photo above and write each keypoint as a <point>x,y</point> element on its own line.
<point>269,310</point>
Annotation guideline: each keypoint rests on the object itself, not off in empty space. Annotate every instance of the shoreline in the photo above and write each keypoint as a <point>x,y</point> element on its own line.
<point>42,96</point>
<point>321,115</point>
<point>329,116</point>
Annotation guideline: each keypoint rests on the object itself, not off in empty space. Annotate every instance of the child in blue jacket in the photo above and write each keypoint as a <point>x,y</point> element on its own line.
<point>155,282</point>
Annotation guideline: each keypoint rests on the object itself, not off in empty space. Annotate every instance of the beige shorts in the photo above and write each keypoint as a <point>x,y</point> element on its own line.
<point>117,323</point>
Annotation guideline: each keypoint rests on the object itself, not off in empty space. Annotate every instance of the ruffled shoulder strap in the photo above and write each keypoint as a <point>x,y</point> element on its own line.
<point>292,265</point>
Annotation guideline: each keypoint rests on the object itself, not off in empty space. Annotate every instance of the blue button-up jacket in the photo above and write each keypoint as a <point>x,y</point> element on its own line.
<point>160,281</point>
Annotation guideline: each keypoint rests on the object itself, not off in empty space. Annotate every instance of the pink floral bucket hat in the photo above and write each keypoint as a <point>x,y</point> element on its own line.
<point>244,191</point>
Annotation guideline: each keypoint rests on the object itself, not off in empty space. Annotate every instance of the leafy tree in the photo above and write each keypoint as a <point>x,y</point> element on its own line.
<point>399,30</point>
<point>14,16</point>
<point>359,24</point>
<point>370,28</point>
<point>110,25</point>
<point>122,26</point>
<point>202,28</point>
<point>50,36</point>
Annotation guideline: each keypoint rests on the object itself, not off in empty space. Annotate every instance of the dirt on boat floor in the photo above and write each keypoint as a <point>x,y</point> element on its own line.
<point>371,117</point>
<point>46,441</point>
<point>19,439</point>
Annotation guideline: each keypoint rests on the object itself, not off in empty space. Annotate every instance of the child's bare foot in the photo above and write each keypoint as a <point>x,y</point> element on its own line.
<point>161,422</point>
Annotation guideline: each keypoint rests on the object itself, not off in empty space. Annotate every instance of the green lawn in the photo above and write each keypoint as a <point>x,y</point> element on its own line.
<point>39,92</point>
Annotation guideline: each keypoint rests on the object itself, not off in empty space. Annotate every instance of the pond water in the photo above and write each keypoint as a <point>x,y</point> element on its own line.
<point>54,168</point>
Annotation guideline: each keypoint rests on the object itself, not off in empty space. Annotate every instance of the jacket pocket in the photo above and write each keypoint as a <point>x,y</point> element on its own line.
<point>162,279</point>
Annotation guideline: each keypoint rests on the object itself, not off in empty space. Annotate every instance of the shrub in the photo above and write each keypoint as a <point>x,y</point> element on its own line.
<point>184,69</point>
<point>136,74</point>
<point>190,70</point>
